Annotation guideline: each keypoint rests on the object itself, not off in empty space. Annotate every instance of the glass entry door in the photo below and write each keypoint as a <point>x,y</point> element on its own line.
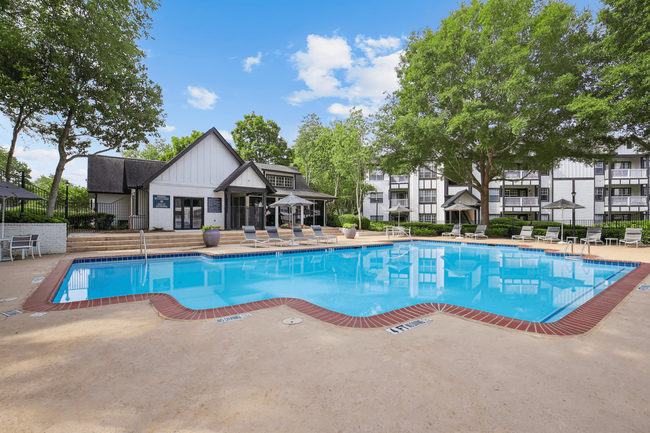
<point>188,213</point>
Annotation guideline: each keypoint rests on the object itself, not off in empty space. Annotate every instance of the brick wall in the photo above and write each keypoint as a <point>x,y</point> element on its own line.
<point>53,237</point>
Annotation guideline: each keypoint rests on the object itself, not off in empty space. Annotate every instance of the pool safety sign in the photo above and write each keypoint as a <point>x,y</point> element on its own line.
<point>237,317</point>
<point>409,325</point>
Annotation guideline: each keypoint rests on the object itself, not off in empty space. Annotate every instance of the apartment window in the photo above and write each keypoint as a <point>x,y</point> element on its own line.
<point>622,192</point>
<point>621,217</point>
<point>427,196</point>
<point>544,173</point>
<point>428,218</point>
<point>644,162</point>
<point>493,216</point>
<point>599,219</point>
<point>376,217</point>
<point>280,181</point>
<point>425,173</point>
<point>599,194</point>
<point>599,168</point>
<point>376,197</point>
<point>399,178</point>
<point>512,193</point>
<point>544,217</point>
<point>376,175</point>
<point>622,165</point>
<point>494,194</point>
<point>644,190</point>
<point>544,194</point>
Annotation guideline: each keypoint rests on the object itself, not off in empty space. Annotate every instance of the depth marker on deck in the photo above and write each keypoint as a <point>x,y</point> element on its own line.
<point>236,317</point>
<point>409,325</point>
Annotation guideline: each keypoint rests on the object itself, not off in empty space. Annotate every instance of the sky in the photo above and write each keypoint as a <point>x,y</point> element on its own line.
<point>219,60</point>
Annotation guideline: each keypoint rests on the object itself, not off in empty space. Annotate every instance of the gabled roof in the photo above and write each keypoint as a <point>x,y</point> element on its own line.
<point>116,175</point>
<point>279,168</point>
<point>173,161</point>
<point>242,168</point>
<point>456,196</point>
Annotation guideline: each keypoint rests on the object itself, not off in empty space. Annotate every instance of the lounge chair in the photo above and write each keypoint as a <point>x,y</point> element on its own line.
<point>454,232</point>
<point>632,236</point>
<point>274,236</point>
<point>479,233</point>
<point>36,243</point>
<point>298,235</point>
<point>526,233</point>
<point>552,235</point>
<point>22,244</point>
<point>400,231</point>
<point>251,236</point>
<point>593,235</point>
<point>318,233</point>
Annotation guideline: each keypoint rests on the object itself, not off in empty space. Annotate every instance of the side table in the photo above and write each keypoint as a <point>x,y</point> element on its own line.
<point>608,241</point>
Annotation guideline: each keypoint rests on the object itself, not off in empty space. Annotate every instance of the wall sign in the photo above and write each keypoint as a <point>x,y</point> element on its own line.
<point>161,201</point>
<point>214,204</point>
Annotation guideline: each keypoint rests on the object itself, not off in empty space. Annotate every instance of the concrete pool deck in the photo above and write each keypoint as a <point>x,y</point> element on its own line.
<point>123,368</point>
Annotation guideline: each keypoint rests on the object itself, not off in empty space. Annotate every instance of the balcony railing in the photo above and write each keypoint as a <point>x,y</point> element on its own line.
<point>395,201</point>
<point>399,179</point>
<point>628,173</point>
<point>522,174</point>
<point>634,200</point>
<point>521,201</point>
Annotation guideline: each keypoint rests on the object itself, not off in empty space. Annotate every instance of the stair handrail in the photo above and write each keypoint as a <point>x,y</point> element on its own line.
<point>567,246</point>
<point>143,241</point>
<point>588,245</point>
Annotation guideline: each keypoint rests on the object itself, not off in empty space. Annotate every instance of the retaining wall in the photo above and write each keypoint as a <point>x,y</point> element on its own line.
<point>53,236</point>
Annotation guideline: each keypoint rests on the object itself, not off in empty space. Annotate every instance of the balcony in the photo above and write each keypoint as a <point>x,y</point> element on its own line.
<point>634,200</point>
<point>521,201</point>
<point>521,174</point>
<point>395,201</point>
<point>628,173</point>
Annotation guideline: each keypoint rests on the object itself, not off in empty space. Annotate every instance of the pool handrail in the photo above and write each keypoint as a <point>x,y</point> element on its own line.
<point>143,240</point>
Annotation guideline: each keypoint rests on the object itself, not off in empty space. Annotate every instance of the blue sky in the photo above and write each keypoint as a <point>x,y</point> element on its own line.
<point>219,60</point>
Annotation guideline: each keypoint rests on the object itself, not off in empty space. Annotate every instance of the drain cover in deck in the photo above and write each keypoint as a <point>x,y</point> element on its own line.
<point>12,313</point>
<point>292,321</point>
<point>643,287</point>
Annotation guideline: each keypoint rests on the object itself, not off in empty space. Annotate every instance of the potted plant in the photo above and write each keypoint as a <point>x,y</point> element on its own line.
<point>211,235</point>
<point>349,230</point>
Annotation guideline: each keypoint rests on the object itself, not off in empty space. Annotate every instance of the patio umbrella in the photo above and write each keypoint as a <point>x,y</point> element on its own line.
<point>11,191</point>
<point>292,200</point>
<point>459,207</point>
<point>563,204</point>
<point>399,209</point>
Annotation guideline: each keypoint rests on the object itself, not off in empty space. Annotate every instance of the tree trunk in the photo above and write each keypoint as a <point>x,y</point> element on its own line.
<point>357,194</point>
<point>63,159</point>
<point>485,196</point>
<point>20,122</point>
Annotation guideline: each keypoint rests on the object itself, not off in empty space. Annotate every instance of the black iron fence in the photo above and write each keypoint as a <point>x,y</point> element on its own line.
<point>248,216</point>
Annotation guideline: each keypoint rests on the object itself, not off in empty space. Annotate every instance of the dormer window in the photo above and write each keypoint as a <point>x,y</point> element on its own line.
<point>280,181</point>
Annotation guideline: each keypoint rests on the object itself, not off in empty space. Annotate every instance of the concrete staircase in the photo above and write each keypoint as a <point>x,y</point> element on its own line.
<point>179,240</point>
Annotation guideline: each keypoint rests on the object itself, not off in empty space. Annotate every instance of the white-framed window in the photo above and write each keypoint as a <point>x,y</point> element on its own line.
<point>399,178</point>
<point>544,217</point>
<point>425,173</point>
<point>622,165</point>
<point>622,192</point>
<point>428,218</point>
<point>376,197</point>
<point>280,181</point>
<point>376,217</point>
<point>495,193</point>
<point>622,217</point>
<point>599,219</point>
<point>599,194</point>
<point>427,196</point>
<point>544,194</point>
<point>493,216</point>
<point>511,193</point>
<point>599,168</point>
<point>376,175</point>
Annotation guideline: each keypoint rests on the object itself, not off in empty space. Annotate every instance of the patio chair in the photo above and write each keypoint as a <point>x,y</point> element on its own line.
<point>298,235</point>
<point>455,232</point>
<point>274,236</point>
<point>632,236</point>
<point>22,244</point>
<point>318,233</point>
<point>552,234</point>
<point>526,233</point>
<point>36,243</point>
<point>251,236</point>
<point>400,231</point>
<point>593,235</point>
<point>479,233</point>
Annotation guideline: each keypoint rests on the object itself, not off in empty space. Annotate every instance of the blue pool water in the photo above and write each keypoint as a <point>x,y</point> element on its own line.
<point>527,285</point>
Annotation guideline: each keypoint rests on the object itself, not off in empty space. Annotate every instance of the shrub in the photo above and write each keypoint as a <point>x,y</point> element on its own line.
<point>497,232</point>
<point>349,225</point>
<point>333,221</point>
<point>354,219</point>
<point>31,218</point>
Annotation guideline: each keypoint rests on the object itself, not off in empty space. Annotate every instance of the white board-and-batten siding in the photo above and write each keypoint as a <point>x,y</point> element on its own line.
<point>249,179</point>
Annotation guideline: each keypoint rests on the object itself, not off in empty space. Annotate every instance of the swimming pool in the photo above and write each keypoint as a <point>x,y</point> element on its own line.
<point>522,284</point>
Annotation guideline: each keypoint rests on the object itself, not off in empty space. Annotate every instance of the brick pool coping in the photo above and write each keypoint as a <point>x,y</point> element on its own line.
<point>580,321</point>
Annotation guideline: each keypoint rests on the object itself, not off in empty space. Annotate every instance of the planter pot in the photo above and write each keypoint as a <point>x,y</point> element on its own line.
<point>211,237</point>
<point>350,233</point>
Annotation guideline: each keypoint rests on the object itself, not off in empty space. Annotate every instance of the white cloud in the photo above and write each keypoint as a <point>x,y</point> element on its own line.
<point>36,155</point>
<point>252,61</point>
<point>225,134</point>
<point>201,98</point>
<point>168,128</point>
<point>362,79</point>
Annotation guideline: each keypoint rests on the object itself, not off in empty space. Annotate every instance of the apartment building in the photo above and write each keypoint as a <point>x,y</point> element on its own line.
<point>615,191</point>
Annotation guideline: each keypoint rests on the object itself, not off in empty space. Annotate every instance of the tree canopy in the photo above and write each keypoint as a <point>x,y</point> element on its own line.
<point>489,91</point>
<point>258,140</point>
<point>160,150</point>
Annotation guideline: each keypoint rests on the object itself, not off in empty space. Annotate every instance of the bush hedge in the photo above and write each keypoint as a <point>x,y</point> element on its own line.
<point>339,220</point>
<point>31,218</point>
<point>87,221</point>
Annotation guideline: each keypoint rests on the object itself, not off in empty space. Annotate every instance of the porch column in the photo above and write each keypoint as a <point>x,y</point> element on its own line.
<point>302,215</point>
<point>263,210</point>
<point>324,213</point>
<point>277,215</point>
<point>228,210</point>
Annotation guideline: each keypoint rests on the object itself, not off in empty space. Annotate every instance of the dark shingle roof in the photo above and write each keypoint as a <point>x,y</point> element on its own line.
<point>280,168</point>
<point>110,174</point>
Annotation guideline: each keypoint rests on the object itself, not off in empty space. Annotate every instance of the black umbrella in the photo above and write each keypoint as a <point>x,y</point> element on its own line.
<point>9,190</point>
<point>563,204</point>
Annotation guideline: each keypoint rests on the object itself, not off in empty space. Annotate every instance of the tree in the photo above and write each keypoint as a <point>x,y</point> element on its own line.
<point>310,153</point>
<point>102,89</point>
<point>17,167</point>
<point>258,140</point>
<point>619,105</point>
<point>490,91</point>
<point>161,150</point>
<point>76,194</point>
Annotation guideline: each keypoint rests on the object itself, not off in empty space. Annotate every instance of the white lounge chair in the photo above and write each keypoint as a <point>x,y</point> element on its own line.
<point>455,232</point>
<point>20,243</point>
<point>274,236</point>
<point>479,233</point>
<point>298,235</point>
<point>526,233</point>
<point>251,236</point>
<point>593,235</point>
<point>318,233</point>
<point>552,235</point>
<point>36,243</point>
<point>632,236</point>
